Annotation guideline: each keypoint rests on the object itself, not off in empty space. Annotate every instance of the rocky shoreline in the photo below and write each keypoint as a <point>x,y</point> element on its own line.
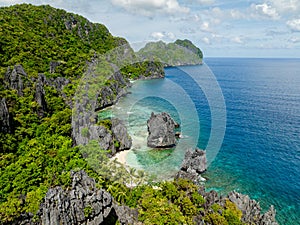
<point>86,204</point>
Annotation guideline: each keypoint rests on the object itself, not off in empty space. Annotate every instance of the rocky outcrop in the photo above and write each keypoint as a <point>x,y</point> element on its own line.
<point>59,83</point>
<point>194,164</point>
<point>252,211</point>
<point>15,78</point>
<point>114,138</point>
<point>40,95</point>
<point>83,203</point>
<point>116,87</point>
<point>161,131</point>
<point>122,140</point>
<point>53,65</point>
<point>102,86</point>
<point>5,123</point>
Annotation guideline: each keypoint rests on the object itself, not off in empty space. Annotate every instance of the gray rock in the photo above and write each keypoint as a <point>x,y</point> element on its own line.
<point>115,88</point>
<point>40,95</point>
<point>194,160</point>
<point>13,79</point>
<point>59,83</point>
<point>126,215</point>
<point>83,203</point>
<point>115,139</point>
<point>161,131</point>
<point>53,65</point>
<point>252,211</point>
<point>193,165</point>
<point>120,134</point>
<point>5,123</point>
<point>100,89</point>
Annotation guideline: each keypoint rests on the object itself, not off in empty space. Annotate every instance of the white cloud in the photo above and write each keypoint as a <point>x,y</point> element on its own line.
<point>273,32</point>
<point>286,5</point>
<point>10,1</point>
<point>236,14</point>
<point>206,40</point>
<point>163,36</point>
<point>294,39</point>
<point>265,10</point>
<point>151,7</point>
<point>206,2</point>
<point>157,35</point>
<point>294,25</point>
<point>187,30</point>
<point>205,27</point>
<point>237,40</point>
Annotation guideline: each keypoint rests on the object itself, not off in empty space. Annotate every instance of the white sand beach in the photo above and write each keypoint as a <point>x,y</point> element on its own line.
<point>121,156</point>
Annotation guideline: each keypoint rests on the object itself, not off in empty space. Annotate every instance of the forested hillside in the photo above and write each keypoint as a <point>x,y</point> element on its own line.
<point>35,138</point>
<point>43,54</point>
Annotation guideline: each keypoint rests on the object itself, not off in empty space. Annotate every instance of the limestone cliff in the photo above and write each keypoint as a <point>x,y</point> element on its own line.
<point>161,131</point>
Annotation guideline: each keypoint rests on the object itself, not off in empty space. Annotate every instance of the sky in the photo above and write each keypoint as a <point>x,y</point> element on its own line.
<point>220,28</point>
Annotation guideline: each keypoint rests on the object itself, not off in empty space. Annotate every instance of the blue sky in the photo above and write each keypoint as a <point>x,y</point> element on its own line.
<point>221,28</point>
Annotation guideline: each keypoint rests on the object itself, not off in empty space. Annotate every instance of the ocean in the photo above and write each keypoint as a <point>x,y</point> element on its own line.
<point>244,112</point>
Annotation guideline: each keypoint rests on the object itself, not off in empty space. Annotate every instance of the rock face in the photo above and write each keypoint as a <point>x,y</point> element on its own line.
<point>96,92</point>
<point>122,140</point>
<point>83,204</point>
<point>114,138</point>
<point>250,208</point>
<point>110,94</point>
<point>14,79</point>
<point>5,126</point>
<point>53,65</point>
<point>40,95</point>
<point>194,164</point>
<point>252,211</point>
<point>161,131</point>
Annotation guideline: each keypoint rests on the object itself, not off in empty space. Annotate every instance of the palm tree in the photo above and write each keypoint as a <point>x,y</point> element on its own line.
<point>141,177</point>
<point>132,176</point>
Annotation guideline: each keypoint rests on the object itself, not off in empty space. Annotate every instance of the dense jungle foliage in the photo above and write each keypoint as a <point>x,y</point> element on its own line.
<point>38,152</point>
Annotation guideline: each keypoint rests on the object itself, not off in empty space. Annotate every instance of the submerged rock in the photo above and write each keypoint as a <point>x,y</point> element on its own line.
<point>161,131</point>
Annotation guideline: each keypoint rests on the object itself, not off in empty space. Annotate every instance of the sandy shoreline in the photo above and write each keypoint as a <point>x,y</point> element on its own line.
<point>121,157</point>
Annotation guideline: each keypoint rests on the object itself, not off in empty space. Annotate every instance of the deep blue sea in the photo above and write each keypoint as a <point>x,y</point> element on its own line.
<point>244,112</point>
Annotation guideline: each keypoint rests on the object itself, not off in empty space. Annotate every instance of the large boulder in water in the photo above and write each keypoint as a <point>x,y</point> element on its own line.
<point>161,131</point>
<point>193,165</point>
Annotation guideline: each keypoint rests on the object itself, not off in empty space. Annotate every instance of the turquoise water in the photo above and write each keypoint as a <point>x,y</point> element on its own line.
<point>260,152</point>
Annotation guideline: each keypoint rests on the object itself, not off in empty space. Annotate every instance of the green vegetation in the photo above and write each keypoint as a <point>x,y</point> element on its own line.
<point>190,46</point>
<point>39,153</point>
<point>229,214</point>
<point>35,36</point>
<point>87,211</point>
<point>142,69</point>
<point>181,52</point>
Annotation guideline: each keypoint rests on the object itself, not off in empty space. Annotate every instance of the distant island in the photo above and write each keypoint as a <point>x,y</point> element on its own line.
<point>179,53</point>
<point>56,69</point>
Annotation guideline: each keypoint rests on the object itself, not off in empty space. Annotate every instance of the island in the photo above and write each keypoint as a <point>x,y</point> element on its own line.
<point>57,69</point>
